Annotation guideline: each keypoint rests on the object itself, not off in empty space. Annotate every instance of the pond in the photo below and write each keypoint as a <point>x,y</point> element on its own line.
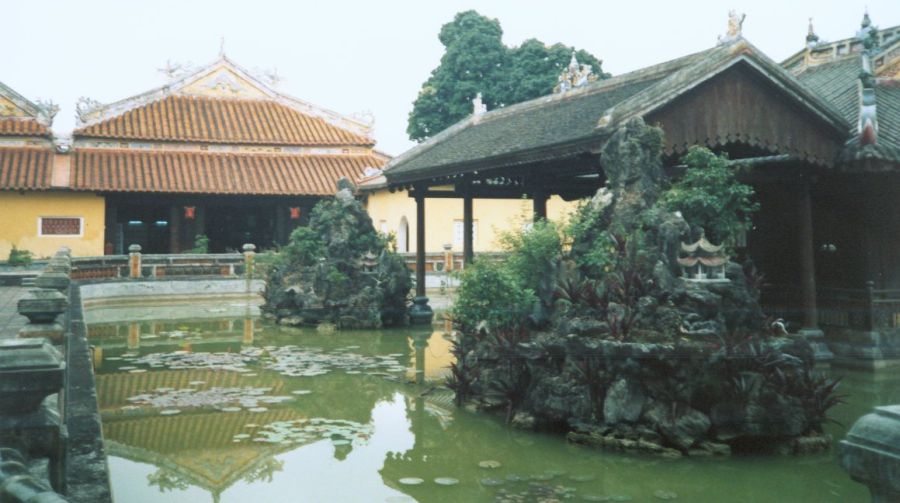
<point>233,409</point>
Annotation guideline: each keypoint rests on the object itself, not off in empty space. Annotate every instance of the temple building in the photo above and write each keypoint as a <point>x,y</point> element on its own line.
<point>817,136</point>
<point>216,152</point>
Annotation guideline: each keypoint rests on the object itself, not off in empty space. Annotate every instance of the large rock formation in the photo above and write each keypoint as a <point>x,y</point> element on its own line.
<point>637,357</point>
<point>338,270</point>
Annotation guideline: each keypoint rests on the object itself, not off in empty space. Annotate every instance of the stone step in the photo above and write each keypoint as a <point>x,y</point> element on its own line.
<point>28,281</point>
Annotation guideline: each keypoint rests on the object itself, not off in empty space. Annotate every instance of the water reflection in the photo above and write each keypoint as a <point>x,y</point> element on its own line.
<point>369,417</point>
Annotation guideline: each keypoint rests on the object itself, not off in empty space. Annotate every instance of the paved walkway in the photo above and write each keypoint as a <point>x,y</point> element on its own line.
<point>10,320</point>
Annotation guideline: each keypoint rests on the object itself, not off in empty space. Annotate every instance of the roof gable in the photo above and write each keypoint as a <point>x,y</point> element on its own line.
<point>21,117</point>
<point>223,80</point>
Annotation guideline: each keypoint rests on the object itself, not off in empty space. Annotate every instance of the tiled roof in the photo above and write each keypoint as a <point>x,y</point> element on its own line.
<point>836,81</point>
<point>887,99</point>
<point>570,121</point>
<point>25,168</point>
<point>214,173</point>
<point>218,120</point>
<point>22,127</point>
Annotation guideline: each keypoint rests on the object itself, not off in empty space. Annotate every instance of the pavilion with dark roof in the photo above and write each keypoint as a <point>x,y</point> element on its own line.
<point>818,137</point>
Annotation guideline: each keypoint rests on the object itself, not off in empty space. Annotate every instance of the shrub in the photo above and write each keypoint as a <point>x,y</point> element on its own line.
<point>489,294</point>
<point>533,257</point>
<point>201,245</point>
<point>19,257</point>
<point>709,196</point>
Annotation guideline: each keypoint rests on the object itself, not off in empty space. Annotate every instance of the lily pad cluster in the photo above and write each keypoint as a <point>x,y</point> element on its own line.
<point>216,397</point>
<point>339,431</point>
<point>338,270</point>
<point>295,361</point>
<point>290,361</point>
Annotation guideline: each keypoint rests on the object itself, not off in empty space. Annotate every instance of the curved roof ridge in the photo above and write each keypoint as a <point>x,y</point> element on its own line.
<point>92,112</point>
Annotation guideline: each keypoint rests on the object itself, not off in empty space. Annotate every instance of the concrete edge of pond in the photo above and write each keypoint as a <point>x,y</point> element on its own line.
<point>86,471</point>
<point>146,289</point>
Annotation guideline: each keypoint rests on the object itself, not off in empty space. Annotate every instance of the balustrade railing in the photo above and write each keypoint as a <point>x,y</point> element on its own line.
<point>865,309</point>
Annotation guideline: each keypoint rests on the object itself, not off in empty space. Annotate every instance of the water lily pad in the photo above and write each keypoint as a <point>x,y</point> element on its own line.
<point>620,497</point>
<point>169,412</point>
<point>258,409</point>
<point>230,409</point>
<point>340,442</point>
<point>489,464</point>
<point>301,392</point>
<point>127,367</point>
<point>594,497</point>
<point>411,481</point>
<point>446,481</point>
<point>512,477</point>
<point>242,435</point>
<point>582,477</point>
<point>137,371</point>
<point>491,482</point>
<point>555,473</point>
<point>664,495</point>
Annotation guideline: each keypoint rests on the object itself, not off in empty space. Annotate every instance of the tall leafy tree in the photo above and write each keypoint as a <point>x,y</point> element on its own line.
<point>476,61</point>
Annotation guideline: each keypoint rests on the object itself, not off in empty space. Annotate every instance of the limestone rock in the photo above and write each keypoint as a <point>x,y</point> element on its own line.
<point>624,402</point>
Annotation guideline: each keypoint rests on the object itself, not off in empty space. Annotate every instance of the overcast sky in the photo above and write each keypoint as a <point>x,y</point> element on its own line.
<point>367,55</point>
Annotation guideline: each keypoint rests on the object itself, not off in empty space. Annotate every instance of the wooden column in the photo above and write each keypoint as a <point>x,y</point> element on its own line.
<point>807,258</point>
<point>110,229</point>
<point>539,206</point>
<point>420,246</point>
<point>468,219</point>
<point>175,229</point>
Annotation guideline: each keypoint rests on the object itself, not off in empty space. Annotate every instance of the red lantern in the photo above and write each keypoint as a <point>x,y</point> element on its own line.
<point>295,212</point>
<point>189,212</point>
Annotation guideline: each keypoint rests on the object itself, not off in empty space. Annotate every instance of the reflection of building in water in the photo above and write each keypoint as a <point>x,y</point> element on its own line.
<point>193,448</point>
<point>432,356</point>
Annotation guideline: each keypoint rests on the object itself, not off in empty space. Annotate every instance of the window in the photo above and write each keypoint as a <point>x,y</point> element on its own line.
<point>60,226</point>
<point>458,232</point>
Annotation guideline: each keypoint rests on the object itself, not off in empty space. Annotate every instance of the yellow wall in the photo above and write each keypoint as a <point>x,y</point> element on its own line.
<point>19,215</point>
<point>492,216</point>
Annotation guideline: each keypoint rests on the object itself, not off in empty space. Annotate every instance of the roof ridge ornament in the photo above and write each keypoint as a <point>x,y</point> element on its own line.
<point>86,109</point>
<point>735,27</point>
<point>575,75</point>
<point>478,106</point>
<point>812,39</point>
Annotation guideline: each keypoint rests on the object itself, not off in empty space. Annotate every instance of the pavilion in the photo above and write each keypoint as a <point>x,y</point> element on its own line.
<point>817,136</point>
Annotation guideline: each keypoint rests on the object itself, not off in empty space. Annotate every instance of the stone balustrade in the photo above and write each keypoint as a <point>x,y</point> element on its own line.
<point>871,453</point>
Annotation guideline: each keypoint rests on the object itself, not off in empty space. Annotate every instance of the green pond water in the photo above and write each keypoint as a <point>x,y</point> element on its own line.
<point>235,410</point>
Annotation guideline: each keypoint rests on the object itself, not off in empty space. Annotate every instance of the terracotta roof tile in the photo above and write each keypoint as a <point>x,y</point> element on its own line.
<point>25,168</point>
<point>214,173</point>
<point>22,127</point>
<point>196,118</point>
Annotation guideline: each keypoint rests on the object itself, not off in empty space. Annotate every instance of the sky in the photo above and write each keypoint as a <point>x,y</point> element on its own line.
<point>366,55</point>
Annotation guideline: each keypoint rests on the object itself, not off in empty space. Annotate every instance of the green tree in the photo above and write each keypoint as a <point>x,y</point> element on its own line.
<point>711,197</point>
<point>535,68</point>
<point>476,61</point>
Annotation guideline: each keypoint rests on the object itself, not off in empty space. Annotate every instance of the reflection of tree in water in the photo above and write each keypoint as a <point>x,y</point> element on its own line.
<point>264,471</point>
<point>167,480</point>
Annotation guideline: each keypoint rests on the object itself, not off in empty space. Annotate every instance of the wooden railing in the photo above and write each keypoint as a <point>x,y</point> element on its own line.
<point>441,261</point>
<point>865,309</point>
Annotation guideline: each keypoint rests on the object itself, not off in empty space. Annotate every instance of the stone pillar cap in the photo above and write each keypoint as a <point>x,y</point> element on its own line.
<point>871,451</point>
<point>26,354</point>
<point>134,248</point>
<point>249,247</point>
